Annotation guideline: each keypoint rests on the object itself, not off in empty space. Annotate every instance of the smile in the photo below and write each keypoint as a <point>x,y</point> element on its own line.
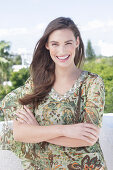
<point>63,57</point>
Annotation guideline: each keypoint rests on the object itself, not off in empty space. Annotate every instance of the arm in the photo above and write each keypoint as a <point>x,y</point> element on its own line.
<point>55,134</point>
<point>26,128</point>
<point>94,108</point>
<point>8,107</point>
<point>63,141</point>
<point>34,133</point>
<point>69,142</point>
<point>92,113</point>
<point>80,131</point>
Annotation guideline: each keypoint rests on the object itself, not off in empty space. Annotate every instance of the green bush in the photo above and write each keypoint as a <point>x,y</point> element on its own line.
<point>104,68</point>
<point>19,78</point>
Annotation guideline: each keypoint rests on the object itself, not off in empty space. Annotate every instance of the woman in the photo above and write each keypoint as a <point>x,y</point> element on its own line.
<point>59,114</point>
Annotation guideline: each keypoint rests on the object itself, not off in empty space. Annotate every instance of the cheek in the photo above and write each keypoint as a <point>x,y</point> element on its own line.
<point>52,52</point>
<point>72,49</point>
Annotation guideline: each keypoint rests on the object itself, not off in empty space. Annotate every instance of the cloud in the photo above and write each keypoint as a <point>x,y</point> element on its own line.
<point>106,48</point>
<point>21,51</point>
<point>13,32</point>
<point>38,29</point>
<point>40,26</point>
<point>97,24</point>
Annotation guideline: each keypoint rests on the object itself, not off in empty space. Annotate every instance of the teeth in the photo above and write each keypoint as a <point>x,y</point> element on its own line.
<point>63,57</point>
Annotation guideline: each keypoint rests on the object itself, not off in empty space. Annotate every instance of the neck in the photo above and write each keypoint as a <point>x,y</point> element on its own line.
<point>66,73</point>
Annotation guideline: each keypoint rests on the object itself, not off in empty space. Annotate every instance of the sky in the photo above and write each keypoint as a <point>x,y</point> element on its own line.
<point>22,22</point>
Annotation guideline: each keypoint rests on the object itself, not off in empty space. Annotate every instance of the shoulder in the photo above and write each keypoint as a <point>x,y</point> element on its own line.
<point>92,78</point>
<point>29,81</point>
<point>92,83</point>
<point>28,84</point>
<point>17,93</point>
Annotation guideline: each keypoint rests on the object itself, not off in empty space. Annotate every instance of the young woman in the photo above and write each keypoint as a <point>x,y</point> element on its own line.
<point>57,114</point>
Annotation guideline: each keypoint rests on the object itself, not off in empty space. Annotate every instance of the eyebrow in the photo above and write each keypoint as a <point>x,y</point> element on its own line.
<point>57,42</point>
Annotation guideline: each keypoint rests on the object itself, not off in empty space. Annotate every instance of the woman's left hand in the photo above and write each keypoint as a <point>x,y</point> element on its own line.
<point>26,116</point>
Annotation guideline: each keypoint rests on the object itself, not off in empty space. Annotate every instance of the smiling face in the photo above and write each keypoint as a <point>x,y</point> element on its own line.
<point>62,47</point>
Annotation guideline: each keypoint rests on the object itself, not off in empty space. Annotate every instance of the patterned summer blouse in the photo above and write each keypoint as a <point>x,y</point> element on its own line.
<point>84,102</point>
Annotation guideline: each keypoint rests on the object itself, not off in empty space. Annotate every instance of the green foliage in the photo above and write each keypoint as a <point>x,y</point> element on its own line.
<point>7,60</point>
<point>4,69</point>
<point>4,90</point>
<point>5,63</point>
<point>16,60</point>
<point>4,49</point>
<point>104,68</point>
<point>90,51</point>
<point>19,78</point>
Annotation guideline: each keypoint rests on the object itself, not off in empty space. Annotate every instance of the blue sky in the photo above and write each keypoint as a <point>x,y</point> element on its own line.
<point>22,22</point>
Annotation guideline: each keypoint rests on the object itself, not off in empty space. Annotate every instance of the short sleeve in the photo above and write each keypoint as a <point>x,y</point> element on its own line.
<point>8,106</point>
<point>95,100</point>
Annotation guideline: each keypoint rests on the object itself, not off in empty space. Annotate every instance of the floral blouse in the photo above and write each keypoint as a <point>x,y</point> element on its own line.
<point>84,102</point>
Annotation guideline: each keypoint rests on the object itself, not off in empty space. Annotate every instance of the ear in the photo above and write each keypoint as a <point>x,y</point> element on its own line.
<point>46,45</point>
<point>77,42</point>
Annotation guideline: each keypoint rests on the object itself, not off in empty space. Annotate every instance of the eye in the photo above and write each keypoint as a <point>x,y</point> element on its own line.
<point>68,43</point>
<point>54,44</point>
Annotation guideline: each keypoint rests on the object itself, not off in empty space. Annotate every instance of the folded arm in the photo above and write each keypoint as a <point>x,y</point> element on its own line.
<point>74,135</point>
<point>35,134</point>
<point>92,113</point>
<point>68,142</point>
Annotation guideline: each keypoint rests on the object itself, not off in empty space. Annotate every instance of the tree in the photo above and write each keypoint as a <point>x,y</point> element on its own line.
<point>4,49</point>
<point>19,78</point>
<point>7,60</point>
<point>90,51</point>
<point>16,60</point>
<point>4,90</point>
<point>5,63</point>
<point>4,69</point>
<point>104,68</point>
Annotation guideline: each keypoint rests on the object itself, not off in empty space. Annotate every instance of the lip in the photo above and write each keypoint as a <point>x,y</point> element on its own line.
<point>63,60</point>
<point>62,56</point>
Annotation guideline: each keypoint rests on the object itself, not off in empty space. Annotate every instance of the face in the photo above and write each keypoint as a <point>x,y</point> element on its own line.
<point>62,47</point>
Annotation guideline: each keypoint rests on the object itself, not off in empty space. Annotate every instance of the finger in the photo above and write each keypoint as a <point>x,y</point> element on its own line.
<point>25,114</point>
<point>92,126</point>
<point>23,121</point>
<point>30,113</point>
<point>90,131</point>
<point>86,139</point>
<point>20,120</point>
<point>90,136</point>
<point>90,139</point>
<point>23,117</point>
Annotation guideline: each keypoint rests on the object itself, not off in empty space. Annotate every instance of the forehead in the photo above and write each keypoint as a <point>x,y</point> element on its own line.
<point>61,34</point>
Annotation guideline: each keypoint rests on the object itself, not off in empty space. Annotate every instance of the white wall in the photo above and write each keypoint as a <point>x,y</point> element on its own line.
<point>106,139</point>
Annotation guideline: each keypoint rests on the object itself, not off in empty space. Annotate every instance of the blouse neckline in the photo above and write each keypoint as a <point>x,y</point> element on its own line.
<point>55,95</point>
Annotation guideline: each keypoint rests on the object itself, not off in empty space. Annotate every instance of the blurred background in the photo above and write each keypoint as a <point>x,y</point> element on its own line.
<point>22,23</point>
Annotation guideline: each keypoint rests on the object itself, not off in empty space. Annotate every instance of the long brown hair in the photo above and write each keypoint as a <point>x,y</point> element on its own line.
<point>42,68</point>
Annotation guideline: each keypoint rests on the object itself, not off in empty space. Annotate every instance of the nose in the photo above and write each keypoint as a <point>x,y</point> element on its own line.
<point>61,50</point>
